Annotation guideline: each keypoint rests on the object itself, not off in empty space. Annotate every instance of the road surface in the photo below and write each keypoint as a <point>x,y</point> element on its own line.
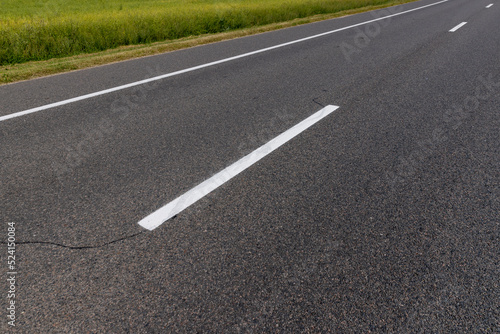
<point>382,216</point>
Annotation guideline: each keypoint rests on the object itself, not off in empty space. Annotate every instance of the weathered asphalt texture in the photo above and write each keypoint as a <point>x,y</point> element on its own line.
<point>383,217</point>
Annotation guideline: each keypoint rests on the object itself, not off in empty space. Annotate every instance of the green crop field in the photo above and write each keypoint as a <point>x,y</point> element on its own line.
<point>39,30</point>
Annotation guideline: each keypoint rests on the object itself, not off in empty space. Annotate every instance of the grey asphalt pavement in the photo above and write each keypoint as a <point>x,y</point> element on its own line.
<point>381,218</point>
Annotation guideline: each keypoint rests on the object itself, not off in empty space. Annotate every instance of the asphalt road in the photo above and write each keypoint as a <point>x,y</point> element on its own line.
<point>382,217</point>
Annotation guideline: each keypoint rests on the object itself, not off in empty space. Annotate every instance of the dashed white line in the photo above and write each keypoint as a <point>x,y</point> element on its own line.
<point>458,27</point>
<point>137,83</point>
<point>489,6</point>
<point>180,203</point>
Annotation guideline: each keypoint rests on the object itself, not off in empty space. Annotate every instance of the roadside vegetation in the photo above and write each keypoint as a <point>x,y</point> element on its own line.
<point>34,30</point>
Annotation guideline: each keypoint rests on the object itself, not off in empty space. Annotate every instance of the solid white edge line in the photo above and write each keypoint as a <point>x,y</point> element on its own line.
<point>458,26</point>
<point>163,214</point>
<point>489,6</point>
<point>137,83</point>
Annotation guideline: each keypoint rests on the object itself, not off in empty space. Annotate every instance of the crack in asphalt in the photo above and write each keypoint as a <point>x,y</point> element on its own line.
<point>314,100</point>
<point>77,247</point>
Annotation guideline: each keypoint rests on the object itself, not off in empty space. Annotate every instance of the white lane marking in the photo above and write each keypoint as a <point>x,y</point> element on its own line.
<point>458,27</point>
<point>490,5</point>
<point>137,83</point>
<point>180,203</point>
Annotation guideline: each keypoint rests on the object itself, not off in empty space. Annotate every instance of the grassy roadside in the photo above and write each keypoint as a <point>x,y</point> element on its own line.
<point>34,69</point>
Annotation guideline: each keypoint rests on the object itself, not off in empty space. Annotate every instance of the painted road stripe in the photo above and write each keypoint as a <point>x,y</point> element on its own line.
<point>180,203</point>
<point>490,5</point>
<point>160,77</point>
<point>458,27</point>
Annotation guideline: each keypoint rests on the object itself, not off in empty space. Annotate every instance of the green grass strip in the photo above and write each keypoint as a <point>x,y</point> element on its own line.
<point>75,37</point>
